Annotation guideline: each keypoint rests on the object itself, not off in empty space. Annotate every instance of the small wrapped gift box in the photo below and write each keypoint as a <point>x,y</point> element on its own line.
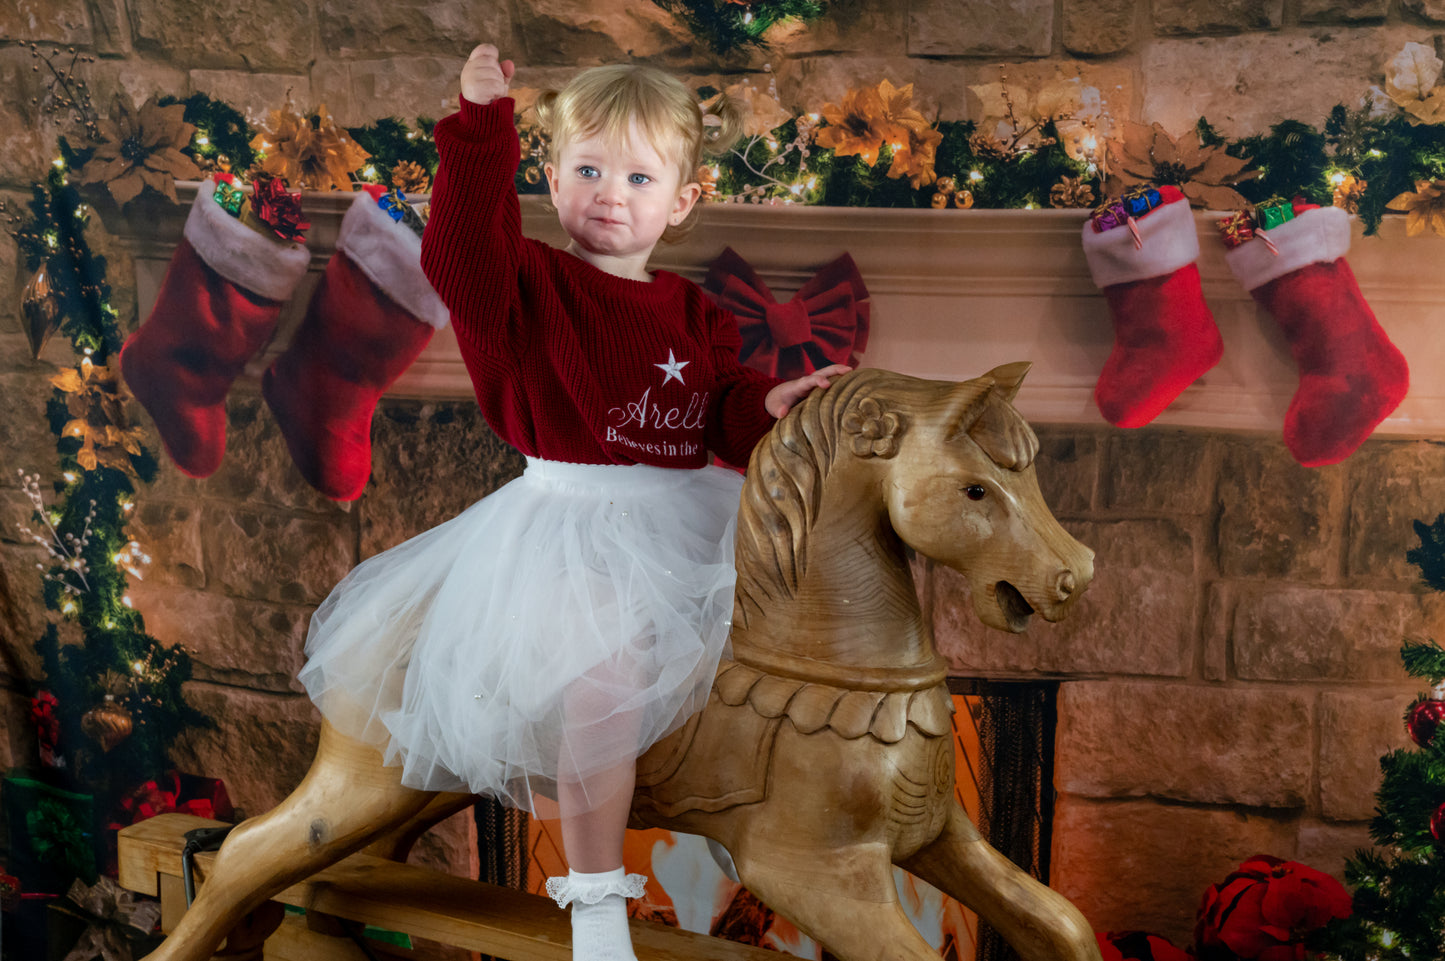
<point>51,833</point>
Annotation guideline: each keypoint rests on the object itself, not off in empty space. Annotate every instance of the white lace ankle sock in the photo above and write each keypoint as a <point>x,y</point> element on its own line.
<point>599,912</point>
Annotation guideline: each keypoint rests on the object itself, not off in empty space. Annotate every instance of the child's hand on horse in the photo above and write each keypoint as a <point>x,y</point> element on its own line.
<point>484,79</point>
<point>781,398</point>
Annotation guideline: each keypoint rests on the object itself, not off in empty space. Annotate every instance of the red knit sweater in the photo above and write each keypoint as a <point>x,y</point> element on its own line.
<point>570,363</point>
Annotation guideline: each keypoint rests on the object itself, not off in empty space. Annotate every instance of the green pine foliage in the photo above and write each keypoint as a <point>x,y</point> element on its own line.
<point>1399,887</point>
<point>725,25</point>
<point>390,142</point>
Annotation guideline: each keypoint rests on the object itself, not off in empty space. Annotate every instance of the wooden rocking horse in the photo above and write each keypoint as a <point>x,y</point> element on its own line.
<point>824,754</point>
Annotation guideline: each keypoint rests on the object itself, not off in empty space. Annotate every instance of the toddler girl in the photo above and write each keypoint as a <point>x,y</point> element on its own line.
<point>541,640</point>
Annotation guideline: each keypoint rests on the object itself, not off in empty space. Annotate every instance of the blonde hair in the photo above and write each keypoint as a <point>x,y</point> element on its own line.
<point>605,102</point>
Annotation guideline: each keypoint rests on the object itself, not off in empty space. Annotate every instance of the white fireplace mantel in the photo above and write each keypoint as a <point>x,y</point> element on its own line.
<point>956,292</point>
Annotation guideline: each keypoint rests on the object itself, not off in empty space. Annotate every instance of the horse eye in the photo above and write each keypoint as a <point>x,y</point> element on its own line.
<point>975,492</point>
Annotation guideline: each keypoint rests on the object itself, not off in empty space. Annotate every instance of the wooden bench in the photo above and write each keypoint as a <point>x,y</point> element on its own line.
<point>418,901</point>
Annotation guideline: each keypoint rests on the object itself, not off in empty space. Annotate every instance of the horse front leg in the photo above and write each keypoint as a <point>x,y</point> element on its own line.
<point>1038,922</point>
<point>347,799</point>
<point>845,899</point>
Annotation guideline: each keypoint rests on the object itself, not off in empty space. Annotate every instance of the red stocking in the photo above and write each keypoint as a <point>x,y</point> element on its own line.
<point>1350,375</point>
<point>369,319</point>
<point>218,304</point>
<point>1164,334</point>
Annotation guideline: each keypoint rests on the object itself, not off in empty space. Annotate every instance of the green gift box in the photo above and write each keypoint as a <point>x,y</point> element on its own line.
<point>1272,213</point>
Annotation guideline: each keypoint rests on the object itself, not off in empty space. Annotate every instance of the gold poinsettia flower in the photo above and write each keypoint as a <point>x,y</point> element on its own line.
<point>1410,79</point>
<point>1148,154</point>
<point>140,149</point>
<point>861,124</point>
<point>97,417</point>
<point>915,158</point>
<point>1424,207</point>
<point>308,152</point>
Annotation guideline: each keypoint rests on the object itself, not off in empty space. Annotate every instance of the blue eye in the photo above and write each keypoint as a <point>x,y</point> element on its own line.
<point>638,179</point>
<point>586,171</point>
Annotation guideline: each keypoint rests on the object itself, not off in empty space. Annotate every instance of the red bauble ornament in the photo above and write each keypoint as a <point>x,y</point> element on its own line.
<point>1424,720</point>
<point>1437,823</point>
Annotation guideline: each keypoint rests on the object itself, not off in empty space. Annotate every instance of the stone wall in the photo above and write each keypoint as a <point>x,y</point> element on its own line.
<point>1230,679</point>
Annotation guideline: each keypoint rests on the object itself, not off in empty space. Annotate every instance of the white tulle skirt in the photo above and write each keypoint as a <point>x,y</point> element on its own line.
<point>553,630</point>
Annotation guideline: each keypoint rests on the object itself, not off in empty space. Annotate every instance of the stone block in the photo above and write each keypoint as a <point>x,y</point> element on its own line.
<point>23,615</point>
<point>1326,847</point>
<point>262,744</point>
<point>1217,16</point>
<point>271,556</point>
<point>1391,485</point>
<point>1431,11</point>
<point>1291,633</point>
<point>605,31</point>
<point>170,533</point>
<point>18,744</point>
<point>1137,617</point>
<point>240,643</point>
<point>1342,11</point>
<point>1095,27</point>
<point>26,442</point>
<point>255,95</point>
<point>1068,468</point>
<point>360,92</point>
<point>430,462</point>
<point>373,27</point>
<point>61,22</point>
<point>1356,730</point>
<point>1220,78</point>
<point>1277,519</point>
<point>450,846</point>
<point>1155,469</point>
<point>1142,865</point>
<point>29,143</point>
<point>1184,742</point>
<point>1218,615</point>
<point>258,469</point>
<point>110,24</point>
<point>985,28</point>
<point>250,34</point>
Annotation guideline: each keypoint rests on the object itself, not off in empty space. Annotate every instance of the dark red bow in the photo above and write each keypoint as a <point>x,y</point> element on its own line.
<point>826,321</point>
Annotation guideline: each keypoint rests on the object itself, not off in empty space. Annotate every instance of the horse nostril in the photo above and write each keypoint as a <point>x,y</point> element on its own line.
<point>1065,585</point>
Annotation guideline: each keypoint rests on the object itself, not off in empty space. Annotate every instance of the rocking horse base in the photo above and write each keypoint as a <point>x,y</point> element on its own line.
<point>367,890</point>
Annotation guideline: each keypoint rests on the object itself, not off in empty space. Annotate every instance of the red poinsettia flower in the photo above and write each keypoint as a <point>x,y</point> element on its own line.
<point>1266,908</point>
<point>1138,946</point>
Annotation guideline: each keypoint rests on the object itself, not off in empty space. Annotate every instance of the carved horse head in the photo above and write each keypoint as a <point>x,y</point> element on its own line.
<point>879,460</point>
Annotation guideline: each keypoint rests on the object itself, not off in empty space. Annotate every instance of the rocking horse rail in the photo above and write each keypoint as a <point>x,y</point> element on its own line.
<point>418,901</point>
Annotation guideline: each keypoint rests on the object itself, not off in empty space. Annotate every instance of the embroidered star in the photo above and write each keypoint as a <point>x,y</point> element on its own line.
<point>673,368</point>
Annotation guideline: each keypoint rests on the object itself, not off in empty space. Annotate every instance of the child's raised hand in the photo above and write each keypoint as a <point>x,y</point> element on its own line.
<point>484,79</point>
<point>781,398</point>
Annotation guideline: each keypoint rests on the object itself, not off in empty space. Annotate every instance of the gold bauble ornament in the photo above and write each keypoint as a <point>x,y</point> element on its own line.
<point>108,723</point>
<point>40,314</point>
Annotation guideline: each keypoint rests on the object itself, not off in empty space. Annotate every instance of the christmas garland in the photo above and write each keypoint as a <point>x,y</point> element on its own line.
<point>1051,147</point>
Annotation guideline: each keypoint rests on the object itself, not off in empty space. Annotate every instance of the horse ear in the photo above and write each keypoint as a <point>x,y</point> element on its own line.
<point>1008,378</point>
<point>966,403</point>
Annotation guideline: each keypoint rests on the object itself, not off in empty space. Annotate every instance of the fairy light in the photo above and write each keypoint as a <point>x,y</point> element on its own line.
<point>369,172</point>
<point>1375,152</point>
<point>58,163</point>
<point>138,666</point>
<point>975,176</point>
<point>69,477</point>
<point>748,17</point>
<point>1337,178</point>
<point>68,607</point>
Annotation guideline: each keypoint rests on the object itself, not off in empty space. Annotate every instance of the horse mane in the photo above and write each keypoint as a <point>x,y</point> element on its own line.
<point>783,491</point>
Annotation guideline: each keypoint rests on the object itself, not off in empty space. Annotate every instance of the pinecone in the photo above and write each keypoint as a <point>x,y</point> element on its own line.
<point>410,177</point>
<point>1070,192</point>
